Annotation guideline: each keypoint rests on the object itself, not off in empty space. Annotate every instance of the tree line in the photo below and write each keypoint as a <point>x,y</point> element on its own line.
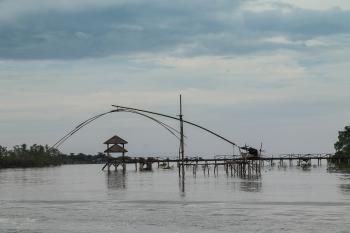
<point>42,156</point>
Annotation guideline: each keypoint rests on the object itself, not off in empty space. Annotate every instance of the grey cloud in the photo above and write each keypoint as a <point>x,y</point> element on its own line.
<point>194,28</point>
<point>299,23</point>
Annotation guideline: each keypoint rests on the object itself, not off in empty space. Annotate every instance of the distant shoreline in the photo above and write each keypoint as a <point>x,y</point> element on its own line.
<point>23,156</point>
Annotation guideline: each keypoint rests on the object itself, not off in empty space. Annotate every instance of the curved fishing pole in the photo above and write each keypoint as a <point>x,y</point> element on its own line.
<point>138,111</point>
<point>166,126</point>
<point>178,119</point>
<point>88,121</point>
<point>152,118</point>
<point>77,128</point>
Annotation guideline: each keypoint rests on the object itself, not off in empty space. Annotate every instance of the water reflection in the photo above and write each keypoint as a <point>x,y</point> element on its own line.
<point>343,174</point>
<point>338,168</point>
<point>251,185</point>
<point>182,186</point>
<point>345,188</point>
<point>116,180</point>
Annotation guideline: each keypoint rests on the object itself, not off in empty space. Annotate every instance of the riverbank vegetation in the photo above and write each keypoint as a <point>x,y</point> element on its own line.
<point>342,146</point>
<point>41,156</point>
<point>341,158</point>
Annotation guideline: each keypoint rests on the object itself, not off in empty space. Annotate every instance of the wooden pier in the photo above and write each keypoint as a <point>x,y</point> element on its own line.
<point>234,166</point>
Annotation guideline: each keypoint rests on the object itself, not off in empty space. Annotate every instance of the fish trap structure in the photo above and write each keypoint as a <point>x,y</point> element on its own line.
<point>247,163</point>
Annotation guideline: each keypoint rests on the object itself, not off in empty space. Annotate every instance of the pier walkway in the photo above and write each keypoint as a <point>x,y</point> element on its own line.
<point>236,165</point>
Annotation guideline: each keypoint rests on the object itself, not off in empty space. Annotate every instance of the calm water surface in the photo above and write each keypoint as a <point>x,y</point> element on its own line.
<point>81,198</point>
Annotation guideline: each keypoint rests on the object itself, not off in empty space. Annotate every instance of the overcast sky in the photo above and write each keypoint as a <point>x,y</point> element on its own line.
<point>254,71</point>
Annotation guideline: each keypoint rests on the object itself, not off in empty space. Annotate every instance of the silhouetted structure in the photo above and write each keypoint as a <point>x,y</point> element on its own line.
<point>113,146</point>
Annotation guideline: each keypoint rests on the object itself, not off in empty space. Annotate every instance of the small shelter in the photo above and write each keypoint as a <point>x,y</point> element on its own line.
<point>115,140</point>
<point>115,149</point>
<point>115,145</point>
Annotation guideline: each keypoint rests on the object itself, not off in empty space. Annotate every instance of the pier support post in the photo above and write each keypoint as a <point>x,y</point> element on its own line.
<point>215,167</point>
<point>123,160</point>
<point>226,168</point>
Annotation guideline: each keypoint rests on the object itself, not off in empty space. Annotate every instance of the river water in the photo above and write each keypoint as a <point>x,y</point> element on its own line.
<point>82,198</point>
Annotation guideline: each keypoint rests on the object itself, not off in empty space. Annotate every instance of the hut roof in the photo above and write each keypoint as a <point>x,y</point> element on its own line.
<point>116,149</point>
<point>115,140</point>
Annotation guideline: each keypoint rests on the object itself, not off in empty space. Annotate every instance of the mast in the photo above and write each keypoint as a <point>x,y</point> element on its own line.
<point>182,140</point>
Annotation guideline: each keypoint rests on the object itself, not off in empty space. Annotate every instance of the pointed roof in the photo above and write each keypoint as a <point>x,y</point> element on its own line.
<point>115,140</point>
<point>116,149</point>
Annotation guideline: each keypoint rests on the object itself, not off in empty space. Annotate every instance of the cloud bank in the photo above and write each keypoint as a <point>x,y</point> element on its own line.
<point>64,30</point>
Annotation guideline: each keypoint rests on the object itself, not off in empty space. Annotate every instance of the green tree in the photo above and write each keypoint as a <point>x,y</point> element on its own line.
<point>342,146</point>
